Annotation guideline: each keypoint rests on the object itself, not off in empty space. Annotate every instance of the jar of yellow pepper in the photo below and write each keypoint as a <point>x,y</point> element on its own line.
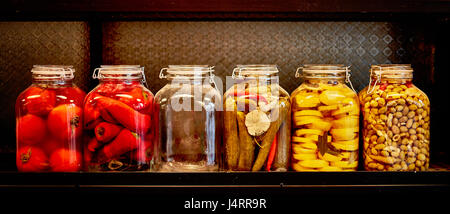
<point>325,120</point>
<point>396,121</point>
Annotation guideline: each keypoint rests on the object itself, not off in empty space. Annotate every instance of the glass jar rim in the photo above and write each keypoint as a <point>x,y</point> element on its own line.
<point>323,71</point>
<point>186,70</point>
<point>53,71</point>
<point>119,72</point>
<point>255,69</point>
<point>392,71</point>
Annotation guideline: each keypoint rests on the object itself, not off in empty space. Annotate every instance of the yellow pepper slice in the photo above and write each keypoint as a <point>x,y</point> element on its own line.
<point>301,132</point>
<point>344,164</point>
<point>307,100</point>
<point>306,156</point>
<point>331,97</point>
<point>297,167</point>
<point>346,147</point>
<point>313,163</point>
<point>320,124</point>
<point>346,122</point>
<point>344,134</point>
<point>301,140</point>
<point>308,113</point>
<point>329,157</point>
<point>328,108</point>
<point>303,120</point>
<point>301,150</point>
<point>330,169</point>
<point>350,109</point>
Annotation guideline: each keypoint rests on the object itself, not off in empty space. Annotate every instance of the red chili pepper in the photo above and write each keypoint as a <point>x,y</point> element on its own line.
<point>125,115</point>
<point>124,142</point>
<point>105,132</point>
<point>251,96</point>
<point>272,152</point>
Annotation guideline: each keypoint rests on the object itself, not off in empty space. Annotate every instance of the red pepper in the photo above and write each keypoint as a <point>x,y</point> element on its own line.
<point>144,152</point>
<point>137,98</point>
<point>124,142</point>
<point>251,96</point>
<point>91,114</point>
<point>93,144</point>
<point>383,86</point>
<point>125,115</point>
<point>272,152</point>
<point>105,132</point>
<point>409,84</point>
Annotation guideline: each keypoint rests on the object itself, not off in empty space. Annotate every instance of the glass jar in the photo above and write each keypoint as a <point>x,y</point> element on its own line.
<point>256,121</point>
<point>189,119</point>
<point>117,121</point>
<point>49,122</point>
<point>325,116</point>
<point>396,121</point>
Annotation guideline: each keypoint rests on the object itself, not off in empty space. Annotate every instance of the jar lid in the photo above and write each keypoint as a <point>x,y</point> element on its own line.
<point>322,71</point>
<point>254,69</point>
<point>119,71</point>
<point>186,70</point>
<point>399,71</point>
<point>53,71</point>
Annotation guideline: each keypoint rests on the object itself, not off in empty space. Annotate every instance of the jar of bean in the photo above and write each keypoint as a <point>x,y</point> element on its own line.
<point>396,121</point>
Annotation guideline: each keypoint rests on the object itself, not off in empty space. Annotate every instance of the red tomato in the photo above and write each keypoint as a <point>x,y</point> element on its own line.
<point>31,129</point>
<point>50,145</point>
<point>39,101</point>
<point>65,160</point>
<point>31,159</point>
<point>65,122</point>
<point>70,95</point>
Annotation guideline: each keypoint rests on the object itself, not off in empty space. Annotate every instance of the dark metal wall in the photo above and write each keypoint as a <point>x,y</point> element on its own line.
<point>287,44</point>
<point>24,44</point>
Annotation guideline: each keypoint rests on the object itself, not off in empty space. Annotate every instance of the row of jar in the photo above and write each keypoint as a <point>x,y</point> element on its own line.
<point>255,126</point>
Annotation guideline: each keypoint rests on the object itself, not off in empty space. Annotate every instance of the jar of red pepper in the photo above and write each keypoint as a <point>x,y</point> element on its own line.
<point>49,122</point>
<point>117,121</point>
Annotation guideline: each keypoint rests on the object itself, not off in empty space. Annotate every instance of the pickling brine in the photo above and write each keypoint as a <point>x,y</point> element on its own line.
<point>325,120</point>
<point>256,121</point>
<point>396,121</point>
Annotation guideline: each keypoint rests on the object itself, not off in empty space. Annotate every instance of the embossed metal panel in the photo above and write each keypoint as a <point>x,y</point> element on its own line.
<point>24,44</point>
<point>287,44</point>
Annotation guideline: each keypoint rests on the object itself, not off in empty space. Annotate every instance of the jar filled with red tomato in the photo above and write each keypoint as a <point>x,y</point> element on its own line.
<point>49,122</point>
<point>117,121</point>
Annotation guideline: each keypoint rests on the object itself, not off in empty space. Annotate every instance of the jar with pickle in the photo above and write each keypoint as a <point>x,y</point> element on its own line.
<point>256,121</point>
<point>49,122</point>
<point>396,121</point>
<point>119,133</point>
<point>325,119</point>
<point>189,120</point>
